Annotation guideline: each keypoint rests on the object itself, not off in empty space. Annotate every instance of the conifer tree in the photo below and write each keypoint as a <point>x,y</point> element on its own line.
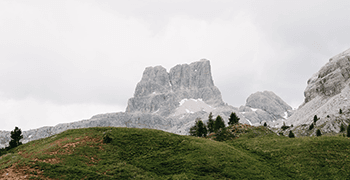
<point>219,123</point>
<point>318,132</point>
<point>340,111</point>
<point>348,133</point>
<point>342,128</point>
<point>16,136</point>
<point>199,129</point>
<point>210,123</point>
<point>265,124</point>
<point>291,134</point>
<point>202,129</point>
<point>233,119</point>
<point>315,119</point>
<point>311,126</point>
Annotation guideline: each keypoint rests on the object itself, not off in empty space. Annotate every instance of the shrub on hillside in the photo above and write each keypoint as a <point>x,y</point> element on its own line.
<point>348,134</point>
<point>342,128</point>
<point>284,127</point>
<point>107,138</point>
<point>224,134</point>
<point>318,132</point>
<point>340,111</point>
<point>311,126</point>
<point>265,124</point>
<point>291,134</point>
<point>316,119</point>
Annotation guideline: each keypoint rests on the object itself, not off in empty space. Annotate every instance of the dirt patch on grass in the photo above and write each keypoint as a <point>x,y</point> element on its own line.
<point>20,172</point>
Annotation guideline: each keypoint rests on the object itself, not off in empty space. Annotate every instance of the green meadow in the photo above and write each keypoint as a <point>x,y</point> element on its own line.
<point>255,153</point>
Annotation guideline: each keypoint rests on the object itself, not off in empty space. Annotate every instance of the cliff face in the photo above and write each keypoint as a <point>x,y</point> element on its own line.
<point>326,93</point>
<point>160,91</point>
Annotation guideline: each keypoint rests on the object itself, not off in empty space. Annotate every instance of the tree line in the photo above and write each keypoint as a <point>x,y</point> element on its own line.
<point>213,126</point>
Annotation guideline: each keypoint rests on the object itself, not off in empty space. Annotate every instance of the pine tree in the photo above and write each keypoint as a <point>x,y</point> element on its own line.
<point>233,119</point>
<point>199,129</point>
<point>219,123</point>
<point>348,134</point>
<point>342,128</point>
<point>202,129</point>
<point>16,136</point>
<point>210,123</point>
<point>315,119</point>
<point>291,134</point>
<point>311,126</point>
<point>265,124</point>
<point>340,111</point>
<point>318,132</point>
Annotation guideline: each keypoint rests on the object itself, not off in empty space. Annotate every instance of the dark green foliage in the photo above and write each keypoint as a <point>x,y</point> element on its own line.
<point>348,133</point>
<point>342,128</point>
<point>219,123</point>
<point>284,127</point>
<point>316,119</point>
<point>16,136</point>
<point>234,119</point>
<point>318,132</point>
<point>327,116</point>
<point>291,134</point>
<point>107,138</point>
<point>291,125</point>
<point>210,123</point>
<point>311,126</point>
<point>199,129</point>
<point>265,124</point>
<point>340,111</point>
<point>224,134</point>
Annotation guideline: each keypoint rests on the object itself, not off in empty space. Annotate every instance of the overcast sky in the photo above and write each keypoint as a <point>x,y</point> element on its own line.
<point>63,61</point>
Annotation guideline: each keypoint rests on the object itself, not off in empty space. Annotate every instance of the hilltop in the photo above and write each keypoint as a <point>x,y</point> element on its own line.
<point>154,154</point>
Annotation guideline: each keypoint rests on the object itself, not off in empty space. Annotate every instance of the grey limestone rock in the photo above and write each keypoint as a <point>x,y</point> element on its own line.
<point>265,106</point>
<point>327,91</point>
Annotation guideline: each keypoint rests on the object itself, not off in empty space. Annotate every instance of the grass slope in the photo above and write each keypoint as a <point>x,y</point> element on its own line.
<point>154,154</point>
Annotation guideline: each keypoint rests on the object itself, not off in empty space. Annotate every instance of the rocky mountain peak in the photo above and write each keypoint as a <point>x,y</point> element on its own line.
<point>330,79</point>
<point>160,91</point>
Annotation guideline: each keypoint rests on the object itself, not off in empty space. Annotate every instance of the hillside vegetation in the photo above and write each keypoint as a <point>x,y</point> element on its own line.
<point>255,153</point>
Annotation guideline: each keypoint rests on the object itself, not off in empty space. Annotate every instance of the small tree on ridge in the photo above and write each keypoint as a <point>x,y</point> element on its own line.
<point>219,123</point>
<point>233,119</point>
<point>16,136</point>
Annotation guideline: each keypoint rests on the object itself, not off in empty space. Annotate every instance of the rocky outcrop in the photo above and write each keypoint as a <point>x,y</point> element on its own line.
<point>265,106</point>
<point>326,93</point>
<point>160,91</point>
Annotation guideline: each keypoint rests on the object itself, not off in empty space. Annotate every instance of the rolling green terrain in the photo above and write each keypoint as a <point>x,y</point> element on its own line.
<point>134,153</point>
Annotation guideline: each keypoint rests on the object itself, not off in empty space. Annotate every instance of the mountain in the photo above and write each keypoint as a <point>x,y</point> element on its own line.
<point>267,107</point>
<point>326,93</point>
<point>171,101</point>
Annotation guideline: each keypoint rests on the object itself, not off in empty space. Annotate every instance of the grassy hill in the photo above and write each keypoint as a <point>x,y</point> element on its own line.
<point>154,154</point>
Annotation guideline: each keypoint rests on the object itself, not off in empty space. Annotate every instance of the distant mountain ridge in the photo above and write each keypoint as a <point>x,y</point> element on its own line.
<point>171,101</point>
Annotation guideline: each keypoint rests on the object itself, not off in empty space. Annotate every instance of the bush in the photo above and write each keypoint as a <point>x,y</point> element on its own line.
<point>265,124</point>
<point>223,134</point>
<point>311,126</point>
<point>342,128</point>
<point>291,134</point>
<point>107,138</point>
<point>340,111</point>
<point>318,132</point>
<point>284,127</point>
<point>348,134</point>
